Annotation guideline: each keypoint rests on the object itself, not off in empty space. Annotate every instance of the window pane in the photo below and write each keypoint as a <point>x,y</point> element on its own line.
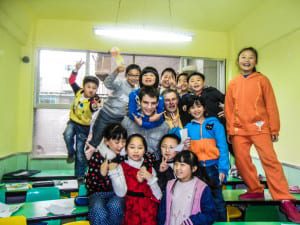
<point>54,71</point>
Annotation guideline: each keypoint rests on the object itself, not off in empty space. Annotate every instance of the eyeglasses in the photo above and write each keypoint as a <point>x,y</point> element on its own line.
<point>164,147</point>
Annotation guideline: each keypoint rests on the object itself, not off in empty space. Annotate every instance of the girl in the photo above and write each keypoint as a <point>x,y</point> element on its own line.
<point>253,118</point>
<point>182,84</point>
<point>105,207</point>
<point>169,147</point>
<point>138,184</point>
<point>187,200</point>
<point>149,78</point>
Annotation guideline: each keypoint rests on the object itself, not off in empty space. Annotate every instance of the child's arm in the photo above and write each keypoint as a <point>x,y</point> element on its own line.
<point>110,81</point>
<point>271,106</point>
<point>133,109</point>
<point>161,216</point>
<point>118,181</point>
<point>221,143</point>
<point>72,78</point>
<point>208,214</point>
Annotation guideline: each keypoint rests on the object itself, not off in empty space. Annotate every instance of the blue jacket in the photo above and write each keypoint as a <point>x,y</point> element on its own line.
<point>208,142</point>
<point>133,108</point>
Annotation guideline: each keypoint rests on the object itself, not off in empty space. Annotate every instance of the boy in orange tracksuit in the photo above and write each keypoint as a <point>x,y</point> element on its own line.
<point>253,118</point>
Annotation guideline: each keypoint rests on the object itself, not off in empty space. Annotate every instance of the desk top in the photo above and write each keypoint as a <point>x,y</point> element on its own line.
<point>232,196</point>
<point>36,211</point>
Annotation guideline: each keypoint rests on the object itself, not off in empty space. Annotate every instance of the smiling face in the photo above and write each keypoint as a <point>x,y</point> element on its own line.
<point>182,84</point>
<point>247,61</point>
<point>133,77</point>
<point>115,145</point>
<point>183,171</point>
<point>171,102</point>
<point>197,111</point>
<point>135,149</point>
<point>148,79</point>
<point>196,83</point>
<point>167,148</point>
<point>166,79</point>
<point>148,105</point>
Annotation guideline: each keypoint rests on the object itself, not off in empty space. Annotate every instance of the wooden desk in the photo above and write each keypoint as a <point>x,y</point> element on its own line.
<point>36,211</point>
<point>232,197</point>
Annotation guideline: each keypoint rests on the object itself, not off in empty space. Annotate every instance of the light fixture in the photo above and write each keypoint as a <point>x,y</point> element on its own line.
<point>142,34</point>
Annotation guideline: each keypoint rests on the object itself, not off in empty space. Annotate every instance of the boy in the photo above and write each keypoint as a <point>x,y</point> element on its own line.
<point>84,104</point>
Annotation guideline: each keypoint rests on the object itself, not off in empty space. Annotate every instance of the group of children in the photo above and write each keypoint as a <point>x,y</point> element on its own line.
<point>182,182</point>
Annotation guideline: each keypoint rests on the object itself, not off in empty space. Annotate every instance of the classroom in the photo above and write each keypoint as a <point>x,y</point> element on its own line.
<point>42,42</point>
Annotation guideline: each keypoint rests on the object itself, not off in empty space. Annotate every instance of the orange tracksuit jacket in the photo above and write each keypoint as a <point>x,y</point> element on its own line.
<point>250,106</point>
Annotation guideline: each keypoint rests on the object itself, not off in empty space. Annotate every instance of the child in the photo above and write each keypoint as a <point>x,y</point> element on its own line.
<point>165,167</point>
<point>182,84</point>
<point>105,207</point>
<point>83,106</point>
<point>253,118</point>
<point>138,183</point>
<point>149,78</point>
<point>187,200</point>
<point>168,79</point>
<point>115,107</point>
<point>208,142</point>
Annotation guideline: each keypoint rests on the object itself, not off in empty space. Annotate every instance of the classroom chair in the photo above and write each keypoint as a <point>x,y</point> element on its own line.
<point>82,190</point>
<point>233,213</point>
<point>78,223</point>
<point>13,220</point>
<point>2,195</point>
<point>42,193</point>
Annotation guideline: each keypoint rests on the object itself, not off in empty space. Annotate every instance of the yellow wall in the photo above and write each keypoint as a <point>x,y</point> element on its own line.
<point>16,92</point>
<point>274,29</point>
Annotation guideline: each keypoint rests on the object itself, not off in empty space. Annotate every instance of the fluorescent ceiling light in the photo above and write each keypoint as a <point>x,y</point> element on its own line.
<point>142,34</point>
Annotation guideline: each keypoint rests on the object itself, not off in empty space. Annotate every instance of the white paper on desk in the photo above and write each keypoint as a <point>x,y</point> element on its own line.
<point>183,134</point>
<point>6,210</point>
<point>59,209</point>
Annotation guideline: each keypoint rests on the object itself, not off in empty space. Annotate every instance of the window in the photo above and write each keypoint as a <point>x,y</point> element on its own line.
<point>54,94</point>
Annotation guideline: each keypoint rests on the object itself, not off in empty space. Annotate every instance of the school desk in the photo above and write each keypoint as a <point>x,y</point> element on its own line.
<point>36,211</point>
<point>233,181</point>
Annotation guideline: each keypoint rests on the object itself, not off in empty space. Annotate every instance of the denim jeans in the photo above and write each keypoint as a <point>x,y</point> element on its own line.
<point>102,120</point>
<point>77,134</point>
<point>105,208</point>
<point>210,175</point>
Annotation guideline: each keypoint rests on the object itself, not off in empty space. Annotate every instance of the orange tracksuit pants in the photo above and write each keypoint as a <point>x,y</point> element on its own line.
<point>276,180</point>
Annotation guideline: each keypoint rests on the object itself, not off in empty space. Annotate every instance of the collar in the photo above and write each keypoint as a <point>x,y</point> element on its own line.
<point>135,164</point>
<point>105,151</point>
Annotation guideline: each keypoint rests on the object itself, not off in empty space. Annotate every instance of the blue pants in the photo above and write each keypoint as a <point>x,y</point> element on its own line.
<point>105,208</point>
<point>102,120</point>
<point>210,175</point>
<point>76,133</point>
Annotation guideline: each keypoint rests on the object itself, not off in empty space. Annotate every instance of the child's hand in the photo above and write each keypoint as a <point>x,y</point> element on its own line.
<point>156,116</point>
<point>187,144</point>
<point>137,120</point>
<point>145,174</point>
<point>221,114</point>
<point>104,168</point>
<point>89,151</point>
<point>274,137</point>
<point>164,165</point>
<point>90,136</point>
<point>139,177</point>
<point>112,166</point>
<point>120,69</point>
<point>172,83</point>
<point>221,177</point>
<point>78,65</point>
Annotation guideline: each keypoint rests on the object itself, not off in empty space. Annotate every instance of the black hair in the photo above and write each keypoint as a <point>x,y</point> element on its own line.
<point>180,75</point>
<point>189,158</point>
<point>91,79</point>
<point>170,90</point>
<point>132,67</point>
<point>194,99</point>
<point>248,49</point>
<point>114,131</point>
<point>173,136</point>
<point>196,74</point>
<point>149,69</point>
<point>139,136</point>
<point>150,91</point>
<point>171,70</point>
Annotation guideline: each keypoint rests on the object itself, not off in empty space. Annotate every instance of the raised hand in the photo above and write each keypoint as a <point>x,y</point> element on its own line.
<point>164,165</point>
<point>78,65</point>
<point>89,151</point>
<point>187,144</point>
<point>137,120</point>
<point>156,116</point>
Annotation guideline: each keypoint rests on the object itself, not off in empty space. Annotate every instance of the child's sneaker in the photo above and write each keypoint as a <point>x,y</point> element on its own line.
<point>252,196</point>
<point>70,158</point>
<point>290,210</point>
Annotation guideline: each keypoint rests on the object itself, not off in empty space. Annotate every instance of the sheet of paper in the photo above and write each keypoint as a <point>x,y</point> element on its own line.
<point>183,134</point>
